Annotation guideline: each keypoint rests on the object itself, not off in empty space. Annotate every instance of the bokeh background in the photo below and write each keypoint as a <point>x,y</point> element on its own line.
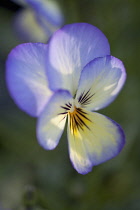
<point>36,179</point>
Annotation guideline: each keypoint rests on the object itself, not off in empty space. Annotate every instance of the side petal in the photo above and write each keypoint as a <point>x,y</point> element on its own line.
<point>26,77</point>
<point>70,49</point>
<point>101,81</point>
<point>52,120</point>
<point>98,140</point>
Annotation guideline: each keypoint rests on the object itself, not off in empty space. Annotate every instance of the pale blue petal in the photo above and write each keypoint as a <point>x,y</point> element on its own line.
<point>101,81</point>
<point>70,49</point>
<point>52,120</point>
<point>26,77</point>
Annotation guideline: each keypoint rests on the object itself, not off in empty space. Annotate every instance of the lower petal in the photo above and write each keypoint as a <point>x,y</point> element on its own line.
<point>100,140</point>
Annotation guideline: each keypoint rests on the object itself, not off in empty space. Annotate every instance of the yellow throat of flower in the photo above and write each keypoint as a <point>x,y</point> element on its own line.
<point>78,120</point>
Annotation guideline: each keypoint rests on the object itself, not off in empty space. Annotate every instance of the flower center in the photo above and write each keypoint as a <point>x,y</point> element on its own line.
<point>78,120</point>
<point>75,105</point>
<point>77,117</point>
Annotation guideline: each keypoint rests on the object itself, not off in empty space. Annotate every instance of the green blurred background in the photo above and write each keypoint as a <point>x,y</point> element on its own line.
<point>31,176</point>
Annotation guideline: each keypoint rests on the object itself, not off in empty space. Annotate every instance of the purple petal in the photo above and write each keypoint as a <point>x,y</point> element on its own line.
<point>26,77</point>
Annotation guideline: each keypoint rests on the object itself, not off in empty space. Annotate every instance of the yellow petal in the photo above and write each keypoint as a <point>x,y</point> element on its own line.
<point>93,139</point>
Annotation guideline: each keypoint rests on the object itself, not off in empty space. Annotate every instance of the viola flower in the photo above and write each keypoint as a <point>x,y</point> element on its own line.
<point>69,80</point>
<point>38,19</point>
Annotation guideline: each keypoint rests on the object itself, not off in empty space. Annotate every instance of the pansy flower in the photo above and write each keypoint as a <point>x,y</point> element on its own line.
<point>38,19</point>
<point>66,82</point>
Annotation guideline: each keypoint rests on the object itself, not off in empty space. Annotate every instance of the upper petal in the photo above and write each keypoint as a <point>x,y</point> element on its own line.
<point>96,140</point>
<point>52,120</point>
<point>100,82</point>
<point>26,77</point>
<point>70,49</point>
